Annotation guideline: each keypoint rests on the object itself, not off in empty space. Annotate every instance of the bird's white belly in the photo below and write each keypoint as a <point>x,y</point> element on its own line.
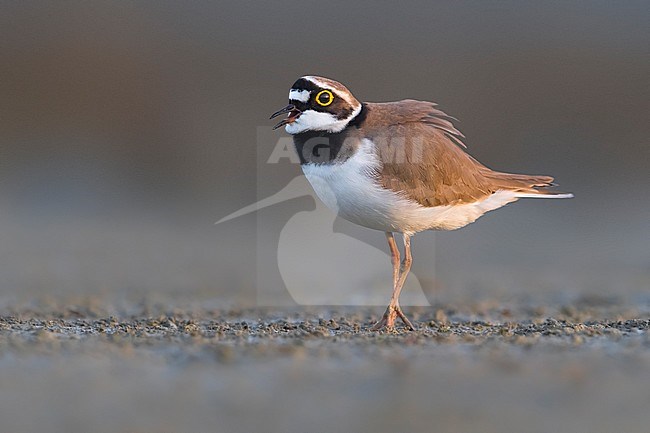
<point>352,191</point>
<point>353,196</point>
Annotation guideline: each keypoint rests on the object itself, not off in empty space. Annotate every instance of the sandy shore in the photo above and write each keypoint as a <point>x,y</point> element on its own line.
<point>481,367</point>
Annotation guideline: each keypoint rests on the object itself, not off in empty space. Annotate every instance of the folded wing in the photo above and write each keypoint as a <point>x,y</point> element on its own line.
<point>422,158</point>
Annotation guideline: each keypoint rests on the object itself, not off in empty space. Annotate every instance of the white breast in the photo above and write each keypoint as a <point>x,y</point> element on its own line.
<point>352,191</point>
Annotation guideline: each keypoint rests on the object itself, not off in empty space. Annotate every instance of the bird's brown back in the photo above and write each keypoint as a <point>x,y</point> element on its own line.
<point>422,158</point>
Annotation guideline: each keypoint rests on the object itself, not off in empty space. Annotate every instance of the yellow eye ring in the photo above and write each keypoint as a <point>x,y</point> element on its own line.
<point>330,98</point>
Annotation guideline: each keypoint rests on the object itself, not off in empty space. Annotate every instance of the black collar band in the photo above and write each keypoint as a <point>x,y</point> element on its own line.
<point>359,118</point>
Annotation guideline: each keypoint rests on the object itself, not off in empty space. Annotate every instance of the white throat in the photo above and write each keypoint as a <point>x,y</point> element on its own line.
<point>311,120</point>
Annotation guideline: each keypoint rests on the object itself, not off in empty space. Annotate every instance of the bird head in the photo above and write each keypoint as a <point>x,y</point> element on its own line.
<point>318,104</point>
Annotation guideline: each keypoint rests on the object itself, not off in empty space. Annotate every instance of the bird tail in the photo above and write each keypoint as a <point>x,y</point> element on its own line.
<point>544,194</point>
<point>527,186</point>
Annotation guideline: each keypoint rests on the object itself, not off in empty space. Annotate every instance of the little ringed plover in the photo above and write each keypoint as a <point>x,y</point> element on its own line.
<point>398,167</point>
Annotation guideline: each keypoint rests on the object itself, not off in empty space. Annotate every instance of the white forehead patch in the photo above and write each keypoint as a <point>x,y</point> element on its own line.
<point>299,95</point>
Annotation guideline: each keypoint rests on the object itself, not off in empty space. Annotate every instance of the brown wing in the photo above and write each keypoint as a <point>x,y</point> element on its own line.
<point>419,148</point>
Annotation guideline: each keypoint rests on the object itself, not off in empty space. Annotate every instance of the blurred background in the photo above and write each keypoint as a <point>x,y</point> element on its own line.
<point>128,128</point>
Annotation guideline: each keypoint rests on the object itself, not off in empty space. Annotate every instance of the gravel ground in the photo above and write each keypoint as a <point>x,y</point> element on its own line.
<point>238,333</point>
<point>480,367</point>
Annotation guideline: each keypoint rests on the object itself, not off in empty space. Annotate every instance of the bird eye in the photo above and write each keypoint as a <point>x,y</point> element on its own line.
<point>324,98</point>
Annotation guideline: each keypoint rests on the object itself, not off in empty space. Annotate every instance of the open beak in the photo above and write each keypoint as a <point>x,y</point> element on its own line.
<point>293,114</point>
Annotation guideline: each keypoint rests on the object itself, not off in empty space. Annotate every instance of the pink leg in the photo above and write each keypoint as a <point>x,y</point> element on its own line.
<point>399,278</point>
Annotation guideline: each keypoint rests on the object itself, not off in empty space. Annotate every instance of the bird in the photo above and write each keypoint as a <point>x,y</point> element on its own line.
<point>397,167</point>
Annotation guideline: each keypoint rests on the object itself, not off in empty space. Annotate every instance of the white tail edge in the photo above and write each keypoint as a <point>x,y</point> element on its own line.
<point>524,195</point>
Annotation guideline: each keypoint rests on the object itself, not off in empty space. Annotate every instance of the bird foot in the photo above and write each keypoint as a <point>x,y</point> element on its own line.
<point>387,322</point>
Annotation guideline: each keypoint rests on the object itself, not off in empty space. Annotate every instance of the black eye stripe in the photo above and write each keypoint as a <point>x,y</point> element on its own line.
<point>298,104</point>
